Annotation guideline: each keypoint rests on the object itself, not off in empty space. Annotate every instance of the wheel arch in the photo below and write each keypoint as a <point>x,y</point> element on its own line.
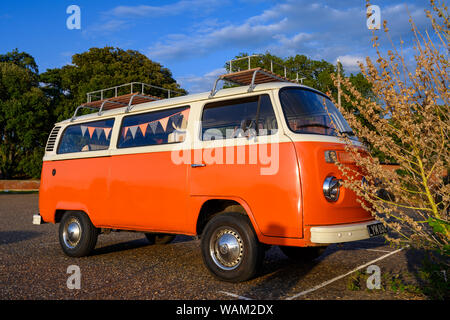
<point>59,213</point>
<point>214,206</point>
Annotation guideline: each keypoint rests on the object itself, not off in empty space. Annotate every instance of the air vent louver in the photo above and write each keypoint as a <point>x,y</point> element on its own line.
<point>52,139</point>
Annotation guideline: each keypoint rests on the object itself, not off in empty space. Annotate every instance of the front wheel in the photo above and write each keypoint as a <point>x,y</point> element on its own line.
<point>230,248</point>
<point>77,235</point>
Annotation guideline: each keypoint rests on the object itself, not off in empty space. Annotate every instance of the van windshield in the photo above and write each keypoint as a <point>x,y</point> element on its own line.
<point>305,112</point>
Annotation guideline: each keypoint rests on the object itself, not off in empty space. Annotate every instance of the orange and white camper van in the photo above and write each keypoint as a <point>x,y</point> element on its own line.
<point>242,168</point>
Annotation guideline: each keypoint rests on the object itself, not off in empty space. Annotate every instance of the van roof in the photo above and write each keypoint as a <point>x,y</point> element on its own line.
<point>187,99</point>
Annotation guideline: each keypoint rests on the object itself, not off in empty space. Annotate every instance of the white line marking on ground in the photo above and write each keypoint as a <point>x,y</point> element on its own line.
<point>235,295</point>
<point>377,250</point>
<point>342,276</point>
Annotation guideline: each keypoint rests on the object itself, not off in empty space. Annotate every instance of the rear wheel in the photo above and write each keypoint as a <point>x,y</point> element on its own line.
<point>159,238</point>
<point>230,248</point>
<point>302,254</point>
<point>77,235</point>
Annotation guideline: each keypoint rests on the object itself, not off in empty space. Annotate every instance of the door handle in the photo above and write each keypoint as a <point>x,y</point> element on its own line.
<point>198,165</point>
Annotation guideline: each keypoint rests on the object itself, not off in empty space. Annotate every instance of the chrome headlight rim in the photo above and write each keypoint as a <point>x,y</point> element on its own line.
<point>331,188</point>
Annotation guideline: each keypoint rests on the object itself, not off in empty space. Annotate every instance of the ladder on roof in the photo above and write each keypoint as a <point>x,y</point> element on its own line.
<point>109,98</point>
<point>253,76</point>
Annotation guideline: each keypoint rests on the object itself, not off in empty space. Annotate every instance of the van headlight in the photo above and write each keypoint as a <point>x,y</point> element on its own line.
<point>331,188</point>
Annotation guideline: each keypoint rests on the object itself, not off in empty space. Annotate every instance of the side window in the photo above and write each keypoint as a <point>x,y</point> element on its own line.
<point>153,128</point>
<point>90,136</point>
<point>239,118</point>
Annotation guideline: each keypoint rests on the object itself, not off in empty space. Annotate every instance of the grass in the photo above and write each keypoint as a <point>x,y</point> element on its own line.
<point>431,281</point>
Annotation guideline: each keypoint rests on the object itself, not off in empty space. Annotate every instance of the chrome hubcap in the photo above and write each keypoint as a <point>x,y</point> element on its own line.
<point>226,249</point>
<point>72,233</point>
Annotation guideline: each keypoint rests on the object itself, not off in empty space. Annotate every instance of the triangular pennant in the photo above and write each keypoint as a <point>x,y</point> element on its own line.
<point>153,125</point>
<point>107,131</point>
<point>98,131</point>
<point>143,128</point>
<point>91,131</point>
<point>177,120</point>
<point>125,130</point>
<point>133,130</point>
<point>164,122</point>
<point>83,130</point>
<point>185,113</point>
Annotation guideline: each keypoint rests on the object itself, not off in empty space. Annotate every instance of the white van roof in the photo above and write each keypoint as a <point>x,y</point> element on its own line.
<point>188,99</point>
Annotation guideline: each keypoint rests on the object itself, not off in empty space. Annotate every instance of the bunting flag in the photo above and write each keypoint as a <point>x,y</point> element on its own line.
<point>153,125</point>
<point>107,131</point>
<point>125,130</point>
<point>98,131</point>
<point>143,128</point>
<point>164,122</point>
<point>91,131</point>
<point>185,113</point>
<point>133,131</point>
<point>83,130</point>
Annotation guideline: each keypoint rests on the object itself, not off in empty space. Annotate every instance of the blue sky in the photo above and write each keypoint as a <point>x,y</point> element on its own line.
<point>194,38</point>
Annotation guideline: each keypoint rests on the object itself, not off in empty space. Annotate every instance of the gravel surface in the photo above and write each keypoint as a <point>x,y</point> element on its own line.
<point>125,266</point>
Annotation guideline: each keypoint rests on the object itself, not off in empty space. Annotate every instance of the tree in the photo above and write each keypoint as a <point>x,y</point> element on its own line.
<point>409,122</point>
<point>23,116</point>
<point>23,60</point>
<point>101,68</point>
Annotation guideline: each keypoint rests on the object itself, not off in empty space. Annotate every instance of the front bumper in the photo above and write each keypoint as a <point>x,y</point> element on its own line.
<point>341,233</point>
<point>37,219</point>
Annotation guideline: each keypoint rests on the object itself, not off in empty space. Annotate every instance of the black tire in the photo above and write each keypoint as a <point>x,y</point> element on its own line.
<point>302,254</point>
<point>240,255</point>
<point>77,235</point>
<point>159,238</point>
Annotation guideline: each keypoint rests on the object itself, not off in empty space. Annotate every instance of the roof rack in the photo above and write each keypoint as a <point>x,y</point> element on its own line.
<point>251,77</point>
<point>96,99</point>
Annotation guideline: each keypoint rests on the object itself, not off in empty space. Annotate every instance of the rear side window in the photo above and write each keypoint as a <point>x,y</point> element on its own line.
<point>84,137</point>
<point>239,118</point>
<point>154,128</point>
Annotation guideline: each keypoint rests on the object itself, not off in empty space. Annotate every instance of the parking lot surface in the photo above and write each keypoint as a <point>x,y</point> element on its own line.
<point>125,266</point>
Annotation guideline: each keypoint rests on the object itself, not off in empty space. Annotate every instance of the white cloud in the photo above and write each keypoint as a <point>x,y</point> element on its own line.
<point>173,9</point>
<point>239,36</point>
<point>319,30</point>
<point>202,83</point>
<point>351,63</point>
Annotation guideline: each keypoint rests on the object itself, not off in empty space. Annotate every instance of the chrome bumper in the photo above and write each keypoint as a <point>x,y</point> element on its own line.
<point>341,233</point>
<point>37,219</point>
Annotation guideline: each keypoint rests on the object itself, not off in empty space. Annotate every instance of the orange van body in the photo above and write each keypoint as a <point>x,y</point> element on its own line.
<point>148,192</point>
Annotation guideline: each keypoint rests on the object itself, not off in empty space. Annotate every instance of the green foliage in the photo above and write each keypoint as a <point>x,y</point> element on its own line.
<point>23,116</point>
<point>23,60</point>
<point>400,283</point>
<point>356,281</point>
<point>438,225</point>
<point>434,275</point>
<point>101,68</point>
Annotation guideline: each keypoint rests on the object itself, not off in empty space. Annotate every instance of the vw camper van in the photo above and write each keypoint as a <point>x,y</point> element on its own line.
<point>242,168</point>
